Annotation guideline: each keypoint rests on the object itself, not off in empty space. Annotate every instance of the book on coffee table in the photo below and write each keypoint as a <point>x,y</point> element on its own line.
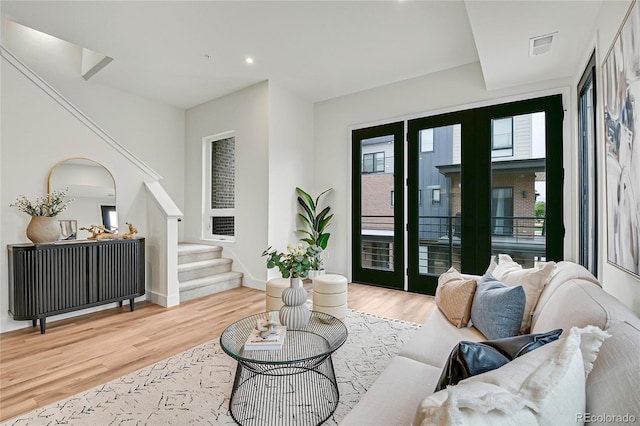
<point>273,341</point>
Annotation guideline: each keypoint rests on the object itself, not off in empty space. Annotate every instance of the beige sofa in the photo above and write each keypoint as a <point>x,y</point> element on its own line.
<point>571,297</point>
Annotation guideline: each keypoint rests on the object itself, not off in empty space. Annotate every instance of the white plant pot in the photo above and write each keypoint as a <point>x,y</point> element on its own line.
<point>294,314</point>
<point>43,229</point>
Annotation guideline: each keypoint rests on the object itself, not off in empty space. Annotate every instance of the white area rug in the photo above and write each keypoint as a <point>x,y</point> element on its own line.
<point>194,386</point>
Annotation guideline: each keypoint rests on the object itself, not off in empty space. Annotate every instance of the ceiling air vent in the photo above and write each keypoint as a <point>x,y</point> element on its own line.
<point>541,44</point>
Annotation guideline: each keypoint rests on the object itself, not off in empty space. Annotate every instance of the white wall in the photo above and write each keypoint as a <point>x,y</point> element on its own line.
<point>151,130</point>
<point>246,113</point>
<point>622,285</point>
<point>291,163</point>
<point>273,130</point>
<point>36,133</point>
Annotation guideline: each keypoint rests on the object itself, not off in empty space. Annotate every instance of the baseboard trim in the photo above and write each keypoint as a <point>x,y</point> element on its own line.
<point>163,299</point>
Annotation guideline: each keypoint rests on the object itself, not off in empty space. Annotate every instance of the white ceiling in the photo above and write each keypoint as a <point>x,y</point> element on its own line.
<point>318,49</point>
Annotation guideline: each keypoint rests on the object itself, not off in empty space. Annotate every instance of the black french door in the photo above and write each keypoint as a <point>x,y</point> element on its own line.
<point>587,169</point>
<point>378,205</point>
<point>493,182</point>
<point>479,182</point>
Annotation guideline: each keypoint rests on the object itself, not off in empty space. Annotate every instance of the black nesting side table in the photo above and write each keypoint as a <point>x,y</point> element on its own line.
<point>292,385</point>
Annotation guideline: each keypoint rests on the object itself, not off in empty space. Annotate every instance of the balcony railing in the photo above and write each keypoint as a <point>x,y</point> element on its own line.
<point>439,239</point>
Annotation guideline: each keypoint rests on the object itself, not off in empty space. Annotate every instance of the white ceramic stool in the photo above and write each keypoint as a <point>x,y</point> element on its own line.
<point>330,295</point>
<point>275,286</point>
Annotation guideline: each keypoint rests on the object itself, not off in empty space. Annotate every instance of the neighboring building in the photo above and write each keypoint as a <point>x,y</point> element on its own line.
<point>515,172</point>
<point>377,202</point>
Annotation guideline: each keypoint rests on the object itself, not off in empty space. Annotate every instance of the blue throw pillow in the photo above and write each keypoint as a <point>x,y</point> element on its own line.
<point>497,308</point>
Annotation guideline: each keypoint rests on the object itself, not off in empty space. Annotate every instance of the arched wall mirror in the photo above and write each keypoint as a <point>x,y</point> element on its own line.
<point>93,190</point>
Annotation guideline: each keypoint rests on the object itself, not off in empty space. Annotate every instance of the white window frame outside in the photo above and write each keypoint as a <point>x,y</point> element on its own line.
<point>498,147</point>
<point>207,211</point>
<point>435,196</point>
<point>378,159</point>
<point>426,143</point>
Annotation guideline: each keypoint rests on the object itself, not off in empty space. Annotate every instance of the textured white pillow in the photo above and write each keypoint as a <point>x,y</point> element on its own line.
<point>532,280</point>
<point>505,264</point>
<point>492,264</point>
<point>544,386</point>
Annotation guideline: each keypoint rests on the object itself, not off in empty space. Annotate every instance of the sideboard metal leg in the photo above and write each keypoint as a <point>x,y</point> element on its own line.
<point>34,321</point>
<point>43,325</point>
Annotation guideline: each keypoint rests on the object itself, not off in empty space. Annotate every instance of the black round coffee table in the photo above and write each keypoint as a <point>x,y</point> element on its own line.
<point>292,385</point>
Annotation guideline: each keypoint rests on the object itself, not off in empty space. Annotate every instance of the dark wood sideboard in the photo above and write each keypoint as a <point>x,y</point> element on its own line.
<point>51,279</point>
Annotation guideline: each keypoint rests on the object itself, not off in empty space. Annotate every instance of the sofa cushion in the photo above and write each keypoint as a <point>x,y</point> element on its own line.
<point>562,272</point>
<point>531,279</point>
<point>395,394</point>
<point>497,309</point>
<point>571,306</point>
<point>578,303</point>
<point>434,341</point>
<point>471,358</point>
<point>454,296</point>
<point>612,385</point>
<point>545,386</point>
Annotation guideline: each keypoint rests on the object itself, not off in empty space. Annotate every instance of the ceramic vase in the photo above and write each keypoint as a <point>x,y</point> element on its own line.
<point>294,314</point>
<point>43,229</point>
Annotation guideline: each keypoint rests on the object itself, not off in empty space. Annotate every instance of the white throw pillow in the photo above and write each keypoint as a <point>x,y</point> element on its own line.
<point>544,386</point>
<point>532,280</point>
<point>492,264</point>
<point>505,264</point>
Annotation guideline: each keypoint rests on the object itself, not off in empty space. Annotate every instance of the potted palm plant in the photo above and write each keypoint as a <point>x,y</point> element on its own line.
<point>315,223</point>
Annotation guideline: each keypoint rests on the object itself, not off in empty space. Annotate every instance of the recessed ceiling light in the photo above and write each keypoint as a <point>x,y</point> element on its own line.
<point>248,60</point>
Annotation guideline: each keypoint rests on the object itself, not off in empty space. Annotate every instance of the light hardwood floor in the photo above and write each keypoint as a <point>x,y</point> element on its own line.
<point>79,353</point>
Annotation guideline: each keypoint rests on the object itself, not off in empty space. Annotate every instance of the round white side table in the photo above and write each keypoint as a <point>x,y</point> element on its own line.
<point>330,295</point>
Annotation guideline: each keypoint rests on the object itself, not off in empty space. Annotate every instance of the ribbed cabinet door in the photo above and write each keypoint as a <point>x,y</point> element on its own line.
<point>49,279</point>
<point>118,265</point>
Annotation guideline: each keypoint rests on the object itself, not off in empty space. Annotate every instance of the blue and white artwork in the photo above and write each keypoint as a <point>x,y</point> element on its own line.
<point>621,71</point>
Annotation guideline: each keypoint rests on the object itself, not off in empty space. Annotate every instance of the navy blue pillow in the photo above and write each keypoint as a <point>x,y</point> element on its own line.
<point>497,309</point>
<point>470,358</point>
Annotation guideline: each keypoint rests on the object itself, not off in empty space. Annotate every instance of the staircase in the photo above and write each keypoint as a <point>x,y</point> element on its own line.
<point>203,271</point>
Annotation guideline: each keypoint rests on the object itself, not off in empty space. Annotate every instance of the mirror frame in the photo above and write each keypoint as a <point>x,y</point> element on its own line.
<point>53,169</point>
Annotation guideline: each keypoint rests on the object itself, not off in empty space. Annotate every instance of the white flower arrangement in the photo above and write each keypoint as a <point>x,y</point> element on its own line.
<point>48,205</point>
<point>296,262</point>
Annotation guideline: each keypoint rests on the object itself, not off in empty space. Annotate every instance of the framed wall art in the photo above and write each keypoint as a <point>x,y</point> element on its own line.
<point>621,75</point>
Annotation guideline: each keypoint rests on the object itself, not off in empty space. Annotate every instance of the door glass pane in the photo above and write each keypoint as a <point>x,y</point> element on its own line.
<point>587,175</point>
<point>377,203</point>
<point>518,188</point>
<point>438,197</point>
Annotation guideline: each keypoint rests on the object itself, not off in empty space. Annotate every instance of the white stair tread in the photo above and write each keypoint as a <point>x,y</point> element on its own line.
<point>184,248</point>
<point>203,264</point>
<point>212,279</point>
